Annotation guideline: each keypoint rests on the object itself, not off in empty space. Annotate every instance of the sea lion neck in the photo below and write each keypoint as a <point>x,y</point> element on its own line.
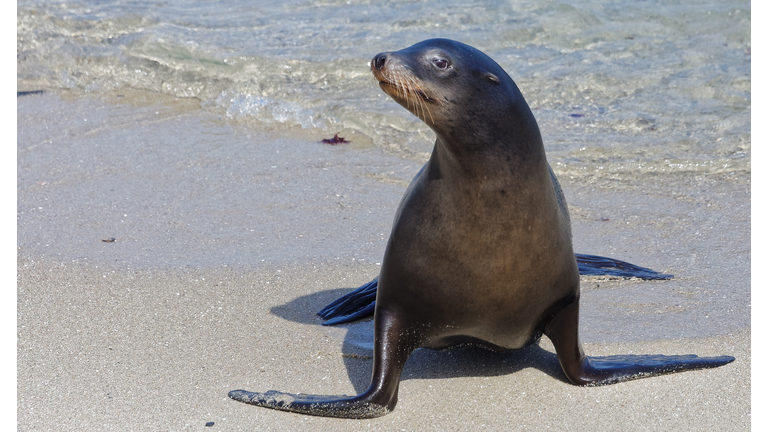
<point>506,145</point>
<point>502,165</point>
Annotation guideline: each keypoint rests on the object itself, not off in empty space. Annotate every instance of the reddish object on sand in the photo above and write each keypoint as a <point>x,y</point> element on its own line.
<point>335,140</point>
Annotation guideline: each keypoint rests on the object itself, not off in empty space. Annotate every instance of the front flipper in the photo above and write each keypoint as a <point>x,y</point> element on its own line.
<point>617,368</point>
<point>393,344</point>
<point>326,406</point>
<point>563,330</point>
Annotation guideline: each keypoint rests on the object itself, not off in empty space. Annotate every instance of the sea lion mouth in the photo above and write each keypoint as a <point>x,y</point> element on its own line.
<point>401,85</point>
<point>407,90</point>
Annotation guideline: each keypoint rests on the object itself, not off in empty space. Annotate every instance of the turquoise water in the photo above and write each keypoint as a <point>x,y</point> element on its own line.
<point>624,88</point>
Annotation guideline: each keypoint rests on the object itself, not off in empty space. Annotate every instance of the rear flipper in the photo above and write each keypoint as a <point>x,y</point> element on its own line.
<point>563,330</point>
<point>358,304</point>
<point>594,265</point>
<point>393,344</point>
<point>361,302</point>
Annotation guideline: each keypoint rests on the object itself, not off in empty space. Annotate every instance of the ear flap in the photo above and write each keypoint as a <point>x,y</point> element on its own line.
<point>491,77</point>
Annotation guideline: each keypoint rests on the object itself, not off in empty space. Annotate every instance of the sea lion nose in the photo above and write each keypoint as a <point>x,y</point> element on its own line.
<point>379,60</point>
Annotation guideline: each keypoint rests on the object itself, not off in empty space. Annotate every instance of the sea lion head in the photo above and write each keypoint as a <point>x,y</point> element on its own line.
<point>457,90</point>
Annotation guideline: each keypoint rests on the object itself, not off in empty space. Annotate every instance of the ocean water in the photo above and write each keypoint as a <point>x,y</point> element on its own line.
<point>620,89</point>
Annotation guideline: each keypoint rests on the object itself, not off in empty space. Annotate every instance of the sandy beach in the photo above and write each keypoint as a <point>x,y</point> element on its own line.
<point>166,257</point>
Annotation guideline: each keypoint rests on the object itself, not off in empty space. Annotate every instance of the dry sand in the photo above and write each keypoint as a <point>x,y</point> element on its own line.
<point>227,242</point>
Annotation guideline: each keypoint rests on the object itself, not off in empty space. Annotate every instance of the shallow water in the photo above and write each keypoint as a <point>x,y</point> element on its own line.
<point>620,90</point>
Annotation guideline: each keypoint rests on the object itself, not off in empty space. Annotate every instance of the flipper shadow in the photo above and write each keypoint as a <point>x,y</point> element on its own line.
<point>301,309</point>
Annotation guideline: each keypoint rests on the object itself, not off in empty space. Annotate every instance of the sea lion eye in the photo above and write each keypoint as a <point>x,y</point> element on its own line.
<point>440,63</point>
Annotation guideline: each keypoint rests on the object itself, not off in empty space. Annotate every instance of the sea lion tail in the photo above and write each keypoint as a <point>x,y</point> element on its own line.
<point>594,371</point>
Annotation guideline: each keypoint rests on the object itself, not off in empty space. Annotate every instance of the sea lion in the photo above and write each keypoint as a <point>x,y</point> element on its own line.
<point>480,250</point>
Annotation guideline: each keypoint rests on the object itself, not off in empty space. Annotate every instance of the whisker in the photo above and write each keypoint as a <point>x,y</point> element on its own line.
<point>412,91</point>
<point>418,103</point>
<point>403,76</point>
<point>424,105</point>
<point>395,79</point>
<point>402,83</point>
<point>400,78</point>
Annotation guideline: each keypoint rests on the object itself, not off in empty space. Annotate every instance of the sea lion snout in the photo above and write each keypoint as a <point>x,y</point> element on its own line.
<point>378,61</point>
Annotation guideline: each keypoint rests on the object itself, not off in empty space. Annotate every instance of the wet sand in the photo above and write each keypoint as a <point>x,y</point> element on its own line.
<point>228,239</point>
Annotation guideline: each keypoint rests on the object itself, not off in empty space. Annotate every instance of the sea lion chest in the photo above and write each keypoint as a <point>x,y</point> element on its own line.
<point>477,258</point>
